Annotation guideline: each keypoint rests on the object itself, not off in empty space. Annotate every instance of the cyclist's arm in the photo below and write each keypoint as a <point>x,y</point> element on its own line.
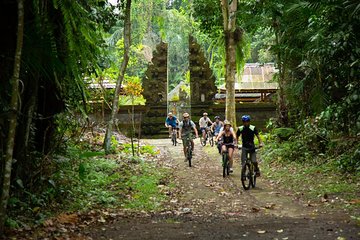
<point>219,135</point>
<point>180,129</point>
<point>196,132</point>
<point>260,141</point>
<point>238,134</point>
<point>212,127</point>
<point>234,136</point>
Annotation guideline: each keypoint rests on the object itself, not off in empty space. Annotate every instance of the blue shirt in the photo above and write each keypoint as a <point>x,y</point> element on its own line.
<point>171,122</point>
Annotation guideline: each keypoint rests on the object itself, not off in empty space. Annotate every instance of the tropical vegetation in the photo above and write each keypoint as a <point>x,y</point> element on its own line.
<point>52,50</point>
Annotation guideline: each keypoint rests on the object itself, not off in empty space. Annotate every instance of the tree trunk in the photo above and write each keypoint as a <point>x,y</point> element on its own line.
<point>282,107</point>
<point>229,24</point>
<point>127,43</point>
<point>230,110</point>
<point>13,117</point>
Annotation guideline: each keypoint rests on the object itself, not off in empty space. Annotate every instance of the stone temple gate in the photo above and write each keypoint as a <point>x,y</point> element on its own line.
<point>202,98</point>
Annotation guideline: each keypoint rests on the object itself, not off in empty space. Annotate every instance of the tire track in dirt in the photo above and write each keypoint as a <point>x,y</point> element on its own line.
<point>206,192</point>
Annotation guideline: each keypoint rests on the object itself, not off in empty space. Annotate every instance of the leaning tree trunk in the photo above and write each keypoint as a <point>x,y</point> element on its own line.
<point>229,24</point>
<point>282,106</point>
<point>13,117</point>
<point>230,110</point>
<point>127,43</point>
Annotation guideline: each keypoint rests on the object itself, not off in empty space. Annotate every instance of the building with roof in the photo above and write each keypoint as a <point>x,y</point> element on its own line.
<point>255,85</point>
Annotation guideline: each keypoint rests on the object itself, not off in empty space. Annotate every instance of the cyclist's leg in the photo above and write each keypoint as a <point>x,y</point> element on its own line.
<point>203,132</point>
<point>192,143</point>
<point>231,151</point>
<point>184,141</point>
<point>256,165</point>
<point>223,148</point>
<point>243,156</point>
<point>170,130</point>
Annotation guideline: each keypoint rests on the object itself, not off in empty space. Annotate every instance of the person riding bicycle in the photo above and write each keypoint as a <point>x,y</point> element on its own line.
<point>186,126</point>
<point>228,141</point>
<point>248,132</point>
<point>171,122</point>
<point>216,128</point>
<point>204,124</point>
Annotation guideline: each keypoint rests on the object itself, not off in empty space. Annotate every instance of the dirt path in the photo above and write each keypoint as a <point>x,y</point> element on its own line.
<point>209,206</point>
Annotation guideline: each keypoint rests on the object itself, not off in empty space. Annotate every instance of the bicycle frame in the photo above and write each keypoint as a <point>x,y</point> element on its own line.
<point>189,149</point>
<point>226,160</point>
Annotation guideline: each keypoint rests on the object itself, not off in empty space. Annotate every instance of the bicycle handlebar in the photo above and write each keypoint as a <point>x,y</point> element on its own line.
<point>240,147</point>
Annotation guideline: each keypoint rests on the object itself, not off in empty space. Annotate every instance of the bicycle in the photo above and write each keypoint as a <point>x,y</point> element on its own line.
<point>174,136</point>
<point>248,174</point>
<point>225,161</point>
<point>208,136</point>
<point>189,149</point>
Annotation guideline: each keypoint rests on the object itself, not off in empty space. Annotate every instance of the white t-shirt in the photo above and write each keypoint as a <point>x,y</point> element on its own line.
<point>203,123</point>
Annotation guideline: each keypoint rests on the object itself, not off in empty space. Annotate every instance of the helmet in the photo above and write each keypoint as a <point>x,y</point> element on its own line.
<point>217,117</point>
<point>170,113</point>
<point>186,114</point>
<point>205,114</point>
<point>245,118</point>
<point>226,122</point>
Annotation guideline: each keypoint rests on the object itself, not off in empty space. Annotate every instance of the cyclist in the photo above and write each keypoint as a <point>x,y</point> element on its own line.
<point>204,123</point>
<point>248,132</point>
<point>215,128</point>
<point>171,122</point>
<point>228,141</point>
<point>186,127</point>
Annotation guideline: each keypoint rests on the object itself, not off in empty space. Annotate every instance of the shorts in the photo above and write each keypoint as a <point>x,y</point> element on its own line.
<point>229,146</point>
<point>244,153</point>
<point>203,129</point>
<point>185,138</point>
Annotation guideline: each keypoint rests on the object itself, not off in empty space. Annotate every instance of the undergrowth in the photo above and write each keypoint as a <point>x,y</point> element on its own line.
<point>84,179</point>
<point>314,163</point>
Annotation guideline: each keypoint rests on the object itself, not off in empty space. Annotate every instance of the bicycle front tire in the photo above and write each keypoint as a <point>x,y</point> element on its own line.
<point>246,176</point>
<point>225,162</point>
<point>189,155</point>
<point>253,174</point>
<point>211,141</point>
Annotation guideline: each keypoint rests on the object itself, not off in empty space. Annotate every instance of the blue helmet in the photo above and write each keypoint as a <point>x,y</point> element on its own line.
<point>245,118</point>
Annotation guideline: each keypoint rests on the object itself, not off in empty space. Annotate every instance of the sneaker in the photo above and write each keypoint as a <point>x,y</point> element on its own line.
<point>231,170</point>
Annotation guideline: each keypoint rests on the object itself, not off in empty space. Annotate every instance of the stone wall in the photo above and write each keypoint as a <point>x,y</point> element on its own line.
<point>260,112</point>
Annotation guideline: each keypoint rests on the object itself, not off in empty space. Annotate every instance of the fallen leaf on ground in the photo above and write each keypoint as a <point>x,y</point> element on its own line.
<point>67,218</point>
<point>261,231</point>
<point>280,231</point>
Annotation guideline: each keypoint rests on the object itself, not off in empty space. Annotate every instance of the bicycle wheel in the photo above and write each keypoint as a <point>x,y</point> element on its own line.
<point>189,154</point>
<point>225,164</point>
<point>253,174</point>
<point>211,140</point>
<point>246,177</point>
<point>173,139</point>
<point>228,168</point>
<point>203,141</point>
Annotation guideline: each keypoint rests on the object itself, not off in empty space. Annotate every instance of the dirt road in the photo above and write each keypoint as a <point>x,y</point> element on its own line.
<point>208,206</point>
